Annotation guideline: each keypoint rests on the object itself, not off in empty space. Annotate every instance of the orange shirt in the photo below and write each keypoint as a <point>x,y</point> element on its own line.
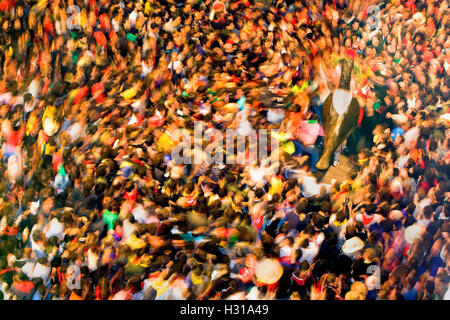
<point>74,296</point>
<point>414,154</point>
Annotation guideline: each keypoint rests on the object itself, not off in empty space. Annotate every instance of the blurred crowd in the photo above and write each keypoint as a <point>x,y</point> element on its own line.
<point>93,94</point>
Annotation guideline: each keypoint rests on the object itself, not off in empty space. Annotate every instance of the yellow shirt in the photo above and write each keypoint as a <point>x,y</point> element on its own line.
<point>129,93</point>
<point>276,186</point>
<point>165,143</point>
<point>31,124</point>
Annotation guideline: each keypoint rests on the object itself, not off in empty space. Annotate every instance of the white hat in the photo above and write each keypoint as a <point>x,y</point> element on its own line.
<point>396,186</point>
<point>268,271</point>
<point>176,172</point>
<point>50,126</point>
<point>75,131</point>
<point>352,245</point>
<point>253,294</point>
<point>34,207</point>
<point>412,233</point>
<point>396,215</point>
<point>14,168</point>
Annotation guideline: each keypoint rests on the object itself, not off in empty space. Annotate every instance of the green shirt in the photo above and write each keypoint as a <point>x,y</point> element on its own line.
<point>109,218</point>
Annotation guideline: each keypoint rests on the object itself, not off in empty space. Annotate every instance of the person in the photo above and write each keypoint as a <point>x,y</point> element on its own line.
<point>306,135</point>
<point>94,105</point>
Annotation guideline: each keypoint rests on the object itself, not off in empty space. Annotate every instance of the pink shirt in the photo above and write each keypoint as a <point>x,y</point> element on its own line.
<point>308,132</point>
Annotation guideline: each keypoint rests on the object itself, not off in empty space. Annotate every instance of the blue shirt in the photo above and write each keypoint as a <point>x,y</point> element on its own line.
<point>410,295</point>
<point>435,263</point>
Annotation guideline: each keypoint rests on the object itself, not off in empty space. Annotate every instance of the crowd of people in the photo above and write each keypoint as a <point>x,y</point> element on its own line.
<point>94,207</point>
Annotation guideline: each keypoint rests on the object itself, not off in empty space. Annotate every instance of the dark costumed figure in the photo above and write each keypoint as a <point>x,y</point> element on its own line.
<point>339,115</point>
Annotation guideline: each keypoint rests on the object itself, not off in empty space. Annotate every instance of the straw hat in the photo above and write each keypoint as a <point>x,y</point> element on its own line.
<point>353,295</point>
<point>412,233</point>
<point>352,245</point>
<point>359,287</point>
<point>268,271</point>
<point>231,107</point>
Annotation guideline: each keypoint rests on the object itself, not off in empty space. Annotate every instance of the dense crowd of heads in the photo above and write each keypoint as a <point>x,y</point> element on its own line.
<point>93,205</point>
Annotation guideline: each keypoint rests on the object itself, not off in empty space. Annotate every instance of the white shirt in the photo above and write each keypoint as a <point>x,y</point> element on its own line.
<point>312,250</point>
<point>41,271</point>
<point>27,268</point>
<point>257,175</point>
<point>311,188</point>
<point>447,294</point>
<point>133,17</point>
<point>128,229</point>
<point>424,222</point>
<point>146,69</point>
<point>56,229</point>
<point>140,214</point>
<point>422,204</point>
<point>38,251</point>
<point>29,106</point>
<point>175,292</point>
<point>376,219</point>
<point>285,251</point>
<point>254,294</point>
<point>92,260</point>
<point>14,168</point>
<point>34,88</point>
<point>402,161</point>
<point>5,294</point>
<point>340,230</point>
<point>275,115</point>
<point>115,25</point>
<point>411,135</point>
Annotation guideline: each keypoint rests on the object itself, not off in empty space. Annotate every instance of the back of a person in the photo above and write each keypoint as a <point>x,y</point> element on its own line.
<point>308,131</point>
<point>368,219</point>
<point>293,219</point>
<point>410,294</point>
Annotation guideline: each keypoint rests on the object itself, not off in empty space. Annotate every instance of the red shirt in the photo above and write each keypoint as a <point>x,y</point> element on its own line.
<point>80,95</point>
<point>100,37</point>
<point>48,25</point>
<point>97,91</point>
<point>24,286</point>
<point>130,196</point>
<point>6,4</point>
<point>104,22</point>
<point>16,137</point>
